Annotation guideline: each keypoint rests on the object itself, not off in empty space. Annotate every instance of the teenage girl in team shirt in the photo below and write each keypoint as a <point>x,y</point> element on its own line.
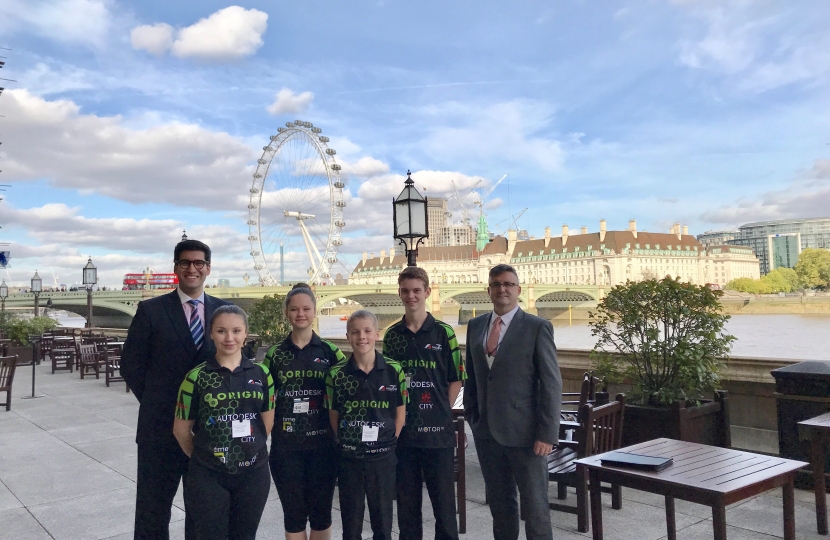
<point>303,455</point>
<point>224,413</point>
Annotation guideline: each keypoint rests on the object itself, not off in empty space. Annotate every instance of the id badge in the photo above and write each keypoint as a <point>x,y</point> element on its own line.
<point>301,406</point>
<point>241,428</point>
<point>370,433</point>
<point>408,381</point>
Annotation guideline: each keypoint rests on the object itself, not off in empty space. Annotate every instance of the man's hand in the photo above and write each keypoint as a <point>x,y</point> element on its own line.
<point>542,448</point>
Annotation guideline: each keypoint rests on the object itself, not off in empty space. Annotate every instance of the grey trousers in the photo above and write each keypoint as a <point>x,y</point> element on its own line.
<point>505,468</point>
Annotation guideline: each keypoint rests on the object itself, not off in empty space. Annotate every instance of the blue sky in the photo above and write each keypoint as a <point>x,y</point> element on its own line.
<point>132,120</point>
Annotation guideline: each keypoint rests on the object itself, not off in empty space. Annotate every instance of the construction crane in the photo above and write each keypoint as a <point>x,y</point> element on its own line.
<point>483,198</point>
<point>513,222</point>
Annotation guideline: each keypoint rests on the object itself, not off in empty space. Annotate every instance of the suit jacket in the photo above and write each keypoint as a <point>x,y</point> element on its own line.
<point>518,400</point>
<point>158,353</point>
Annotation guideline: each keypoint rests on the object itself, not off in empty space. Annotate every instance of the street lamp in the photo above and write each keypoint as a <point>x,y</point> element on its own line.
<point>90,279</point>
<point>409,213</point>
<point>37,287</point>
<point>184,235</point>
<point>4,293</point>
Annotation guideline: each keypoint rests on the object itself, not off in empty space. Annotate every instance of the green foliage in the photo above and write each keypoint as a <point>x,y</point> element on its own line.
<point>779,280</point>
<point>19,330</point>
<point>790,276</point>
<point>813,268</point>
<point>664,337</point>
<point>746,285</point>
<point>267,319</point>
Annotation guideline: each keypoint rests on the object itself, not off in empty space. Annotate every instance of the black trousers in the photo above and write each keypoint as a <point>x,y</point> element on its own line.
<point>305,482</point>
<point>161,465</point>
<point>433,467</point>
<point>226,506</point>
<point>504,469</point>
<point>360,481</point>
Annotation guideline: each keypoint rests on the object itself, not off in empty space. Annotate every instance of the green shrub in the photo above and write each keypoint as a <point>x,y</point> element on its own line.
<point>664,337</point>
<point>18,329</point>
<point>267,319</point>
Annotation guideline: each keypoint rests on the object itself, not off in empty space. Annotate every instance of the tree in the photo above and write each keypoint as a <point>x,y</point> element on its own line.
<point>267,319</point>
<point>813,268</point>
<point>776,282</point>
<point>665,337</point>
<point>791,276</point>
<point>746,285</point>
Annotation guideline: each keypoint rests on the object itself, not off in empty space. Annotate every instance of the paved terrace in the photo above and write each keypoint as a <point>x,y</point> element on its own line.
<point>68,460</point>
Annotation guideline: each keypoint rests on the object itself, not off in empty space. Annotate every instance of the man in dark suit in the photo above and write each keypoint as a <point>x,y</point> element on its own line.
<point>169,336</point>
<point>512,400</point>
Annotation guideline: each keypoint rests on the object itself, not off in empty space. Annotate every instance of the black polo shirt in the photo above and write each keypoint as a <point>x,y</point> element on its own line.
<point>431,360</point>
<point>367,404</point>
<point>225,406</point>
<point>301,419</point>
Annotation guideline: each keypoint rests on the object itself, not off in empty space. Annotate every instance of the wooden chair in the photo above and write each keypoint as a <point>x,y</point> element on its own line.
<point>88,359</point>
<point>600,430</point>
<point>572,401</point>
<point>47,340</point>
<point>63,359</point>
<point>7,367</point>
<point>112,358</point>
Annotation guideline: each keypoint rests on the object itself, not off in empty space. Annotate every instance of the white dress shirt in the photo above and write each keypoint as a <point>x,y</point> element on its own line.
<point>505,322</point>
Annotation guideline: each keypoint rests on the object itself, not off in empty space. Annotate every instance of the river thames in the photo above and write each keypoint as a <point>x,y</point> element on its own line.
<point>799,337</point>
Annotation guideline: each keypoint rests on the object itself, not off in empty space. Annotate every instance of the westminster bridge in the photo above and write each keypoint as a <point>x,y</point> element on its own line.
<point>115,309</point>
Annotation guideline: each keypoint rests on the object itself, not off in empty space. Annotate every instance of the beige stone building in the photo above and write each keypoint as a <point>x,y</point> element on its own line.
<point>600,258</point>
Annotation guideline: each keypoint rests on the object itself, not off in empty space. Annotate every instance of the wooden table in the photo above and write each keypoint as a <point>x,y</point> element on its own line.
<point>817,430</point>
<point>702,474</point>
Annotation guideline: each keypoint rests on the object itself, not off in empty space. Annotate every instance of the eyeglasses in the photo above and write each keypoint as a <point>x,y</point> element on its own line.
<point>505,285</point>
<point>184,264</point>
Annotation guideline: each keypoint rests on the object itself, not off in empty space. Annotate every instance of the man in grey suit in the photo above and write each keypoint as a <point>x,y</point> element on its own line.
<point>512,400</point>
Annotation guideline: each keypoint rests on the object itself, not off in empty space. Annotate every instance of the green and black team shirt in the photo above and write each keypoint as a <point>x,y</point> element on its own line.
<point>301,419</point>
<point>431,360</point>
<point>225,406</point>
<point>367,404</point>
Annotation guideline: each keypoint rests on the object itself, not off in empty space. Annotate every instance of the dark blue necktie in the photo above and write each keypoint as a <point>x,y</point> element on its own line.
<point>196,328</point>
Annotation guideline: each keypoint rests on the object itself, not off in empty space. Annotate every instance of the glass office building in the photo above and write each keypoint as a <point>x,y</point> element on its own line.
<point>778,243</point>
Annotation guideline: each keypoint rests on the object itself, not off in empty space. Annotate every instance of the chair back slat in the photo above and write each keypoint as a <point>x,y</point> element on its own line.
<point>603,427</point>
<point>7,367</point>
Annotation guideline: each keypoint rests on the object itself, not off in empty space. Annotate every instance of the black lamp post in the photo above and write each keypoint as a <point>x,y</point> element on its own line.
<point>90,279</point>
<point>37,287</point>
<point>4,293</point>
<point>409,213</point>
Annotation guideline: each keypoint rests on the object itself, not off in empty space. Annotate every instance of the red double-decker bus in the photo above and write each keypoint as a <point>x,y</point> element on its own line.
<point>134,282</point>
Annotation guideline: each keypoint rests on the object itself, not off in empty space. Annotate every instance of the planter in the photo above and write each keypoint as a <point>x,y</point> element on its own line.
<point>707,423</point>
<point>25,353</point>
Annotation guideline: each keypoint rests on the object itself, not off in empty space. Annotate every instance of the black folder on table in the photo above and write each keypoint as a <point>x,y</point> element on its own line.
<point>635,461</point>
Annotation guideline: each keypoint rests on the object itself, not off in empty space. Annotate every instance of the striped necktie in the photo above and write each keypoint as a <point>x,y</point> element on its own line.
<point>196,329</point>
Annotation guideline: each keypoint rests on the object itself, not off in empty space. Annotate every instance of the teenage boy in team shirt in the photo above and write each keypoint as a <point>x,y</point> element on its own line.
<point>428,353</point>
<point>366,397</point>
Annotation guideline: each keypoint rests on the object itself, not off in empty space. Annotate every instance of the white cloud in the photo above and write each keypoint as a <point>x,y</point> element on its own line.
<point>85,22</point>
<point>153,38</point>
<point>809,196</point>
<point>175,163</point>
<point>228,34</point>
<point>495,134</point>
<point>364,167</point>
<point>286,101</point>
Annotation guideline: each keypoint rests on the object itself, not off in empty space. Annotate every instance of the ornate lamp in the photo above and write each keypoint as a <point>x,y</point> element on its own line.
<point>90,279</point>
<point>4,293</point>
<point>37,287</point>
<point>409,213</point>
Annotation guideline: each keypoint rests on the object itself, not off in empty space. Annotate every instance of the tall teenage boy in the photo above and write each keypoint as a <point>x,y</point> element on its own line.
<point>427,350</point>
<point>366,397</point>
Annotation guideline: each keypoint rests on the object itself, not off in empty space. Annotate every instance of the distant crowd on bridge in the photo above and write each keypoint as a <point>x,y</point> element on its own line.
<point>379,425</point>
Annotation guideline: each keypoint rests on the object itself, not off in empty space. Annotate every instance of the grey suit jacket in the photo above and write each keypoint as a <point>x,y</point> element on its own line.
<point>518,400</point>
